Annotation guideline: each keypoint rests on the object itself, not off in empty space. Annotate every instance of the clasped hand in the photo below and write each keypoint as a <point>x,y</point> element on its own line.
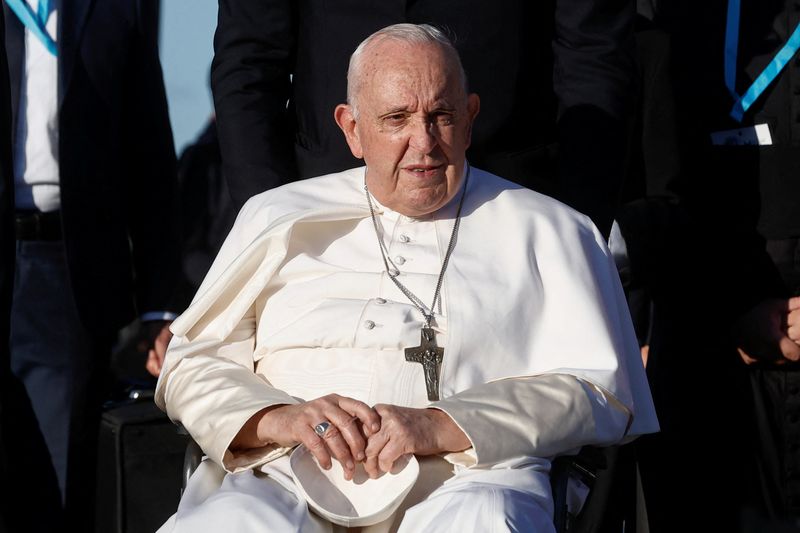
<point>769,333</point>
<point>375,436</point>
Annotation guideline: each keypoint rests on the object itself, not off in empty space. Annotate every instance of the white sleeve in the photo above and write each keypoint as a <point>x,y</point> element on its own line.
<point>538,416</point>
<point>211,388</point>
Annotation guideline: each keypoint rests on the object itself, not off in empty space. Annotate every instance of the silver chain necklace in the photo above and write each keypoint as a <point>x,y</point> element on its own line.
<point>428,354</point>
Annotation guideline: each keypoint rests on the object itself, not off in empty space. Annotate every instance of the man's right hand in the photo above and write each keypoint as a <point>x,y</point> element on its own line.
<point>351,423</point>
<point>793,320</point>
<point>770,332</point>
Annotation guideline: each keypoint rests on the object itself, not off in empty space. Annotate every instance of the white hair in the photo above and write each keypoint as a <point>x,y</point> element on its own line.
<point>419,34</point>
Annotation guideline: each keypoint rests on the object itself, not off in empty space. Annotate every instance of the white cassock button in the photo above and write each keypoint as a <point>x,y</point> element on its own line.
<point>369,324</point>
<point>399,259</point>
<point>404,238</point>
<point>380,301</point>
<point>394,272</point>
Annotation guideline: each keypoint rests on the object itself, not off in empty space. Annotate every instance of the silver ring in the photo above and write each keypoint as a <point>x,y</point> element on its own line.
<point>321,428</point>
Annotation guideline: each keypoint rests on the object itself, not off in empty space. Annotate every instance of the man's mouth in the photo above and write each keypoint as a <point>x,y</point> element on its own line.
<point>424,171</point>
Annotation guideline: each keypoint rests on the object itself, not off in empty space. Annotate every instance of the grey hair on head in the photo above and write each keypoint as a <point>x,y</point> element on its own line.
<point>407,33</point>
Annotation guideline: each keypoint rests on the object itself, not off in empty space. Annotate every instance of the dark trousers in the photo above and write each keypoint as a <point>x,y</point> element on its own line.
<point>53,410</point>
<point>776,412</point>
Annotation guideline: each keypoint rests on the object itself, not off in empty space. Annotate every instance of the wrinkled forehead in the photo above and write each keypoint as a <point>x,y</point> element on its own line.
<point>427,69</point>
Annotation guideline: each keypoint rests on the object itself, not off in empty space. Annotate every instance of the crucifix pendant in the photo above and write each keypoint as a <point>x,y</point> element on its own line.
<point>430,357</point>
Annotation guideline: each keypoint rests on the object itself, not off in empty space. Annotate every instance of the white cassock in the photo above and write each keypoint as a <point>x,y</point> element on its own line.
<point>540,357</point>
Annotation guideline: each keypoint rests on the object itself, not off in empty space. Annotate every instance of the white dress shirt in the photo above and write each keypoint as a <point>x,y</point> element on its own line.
<point>36,172</point>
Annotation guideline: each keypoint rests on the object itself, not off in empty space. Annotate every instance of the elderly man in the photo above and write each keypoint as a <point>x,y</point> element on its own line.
<point>414,307</point>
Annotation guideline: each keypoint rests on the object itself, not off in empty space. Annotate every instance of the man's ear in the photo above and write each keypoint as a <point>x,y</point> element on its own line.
<point>343,114</point>
<point>473,108</point>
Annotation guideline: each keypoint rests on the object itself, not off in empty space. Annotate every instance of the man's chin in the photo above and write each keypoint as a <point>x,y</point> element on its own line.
<point>420,207</point>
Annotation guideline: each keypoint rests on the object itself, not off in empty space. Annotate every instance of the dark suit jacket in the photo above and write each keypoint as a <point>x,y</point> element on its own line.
<point>6,251</point>
<point>694,247</point>
<point>519,56</point>
<point>757,184</point>
<point>116,157</point>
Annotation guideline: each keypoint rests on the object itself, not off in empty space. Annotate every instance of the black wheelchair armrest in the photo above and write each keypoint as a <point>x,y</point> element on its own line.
<point>582,469</point>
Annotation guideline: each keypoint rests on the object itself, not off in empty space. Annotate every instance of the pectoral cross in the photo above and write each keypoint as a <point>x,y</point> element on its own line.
<point>430,357</point>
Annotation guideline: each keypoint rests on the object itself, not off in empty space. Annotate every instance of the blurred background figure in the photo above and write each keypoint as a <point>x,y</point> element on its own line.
<point>207,212</point>
<point>667,271</point>
<point>711,233</point>
<point>737,81</point>
<point>554,78</point>
<point>96,234</point>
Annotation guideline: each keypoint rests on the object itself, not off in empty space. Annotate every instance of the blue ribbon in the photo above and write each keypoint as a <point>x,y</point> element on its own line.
<point>767,76</point>
<point>35,22</point>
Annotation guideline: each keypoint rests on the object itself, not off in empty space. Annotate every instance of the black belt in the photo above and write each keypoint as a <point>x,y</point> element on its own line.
<point>35,226</point>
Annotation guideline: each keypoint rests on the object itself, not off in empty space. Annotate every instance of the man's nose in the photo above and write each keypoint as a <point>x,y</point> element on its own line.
<point>423,136</point>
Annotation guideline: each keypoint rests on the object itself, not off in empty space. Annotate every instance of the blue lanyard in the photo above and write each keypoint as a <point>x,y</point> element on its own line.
<point>35,22</point>
<point>767,76</point>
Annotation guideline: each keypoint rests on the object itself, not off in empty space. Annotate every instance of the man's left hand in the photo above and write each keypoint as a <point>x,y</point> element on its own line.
<point>157,335</point>
<point>405,431</point>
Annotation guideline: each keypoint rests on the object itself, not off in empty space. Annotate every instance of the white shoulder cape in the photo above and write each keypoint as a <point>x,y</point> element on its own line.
<point>546,297</point>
